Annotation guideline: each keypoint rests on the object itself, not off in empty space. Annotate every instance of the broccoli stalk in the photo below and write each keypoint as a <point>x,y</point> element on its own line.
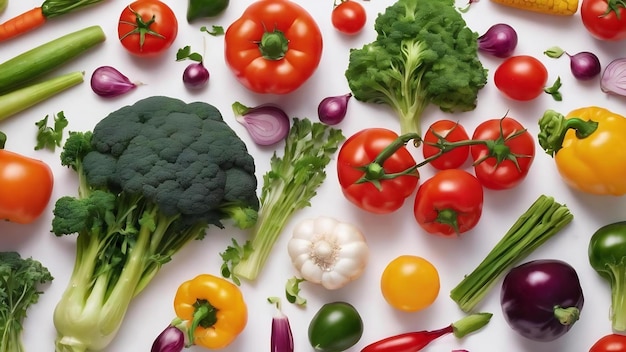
<point>423,53</point>
<point>19,281</point>
<point>289,186</point>
<point>151,178</point>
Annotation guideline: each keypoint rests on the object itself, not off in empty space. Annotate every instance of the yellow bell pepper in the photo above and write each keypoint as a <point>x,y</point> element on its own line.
<point>589,148</point>
<point>212,311</point>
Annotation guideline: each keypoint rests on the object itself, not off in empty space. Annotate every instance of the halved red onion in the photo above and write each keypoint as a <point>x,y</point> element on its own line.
<point>613,80</point>
<point>267,124</point>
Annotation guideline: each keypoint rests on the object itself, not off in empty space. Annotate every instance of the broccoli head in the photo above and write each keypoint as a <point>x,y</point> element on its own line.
<point>423,53</point>
<point>152,177</point>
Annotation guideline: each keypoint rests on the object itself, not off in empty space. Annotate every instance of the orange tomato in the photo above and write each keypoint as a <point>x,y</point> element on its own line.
<point>25,187</point>
<point>410,283</point>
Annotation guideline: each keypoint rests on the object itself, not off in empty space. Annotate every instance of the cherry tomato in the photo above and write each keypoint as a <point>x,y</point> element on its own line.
<point>449,203</point>
<point>359,151</point>
<point>147,27</point>
<point>610,343</point>
<point>410,283</point>
<point>25,187</point>
<point>521,77</point>
<point>449,131</point>
<point>506,164</point>
<point>349,17</point>
<point>602,21</point>
<point>274,47</point>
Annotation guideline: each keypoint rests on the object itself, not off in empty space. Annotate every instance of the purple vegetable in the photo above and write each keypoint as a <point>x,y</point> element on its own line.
<point>613,80</point>
<point>499,40</point>
<point>170,340</point>
<point>282,337</point>
<point>107,81</point>
<point>584,65</point>
<point>332,110</point>
<point>267,124</point>
<point>196,76</point>
<point>542,299</point>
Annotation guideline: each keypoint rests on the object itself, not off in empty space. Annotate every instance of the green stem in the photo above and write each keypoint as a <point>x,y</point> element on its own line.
<point>53,8</point>
<point>205,315</point>
<point>554,126</point>
<point>566,316</point>
<point>539,223</point>
<point>618,296</point>
<point>470,323</point>
<point>273,45</point>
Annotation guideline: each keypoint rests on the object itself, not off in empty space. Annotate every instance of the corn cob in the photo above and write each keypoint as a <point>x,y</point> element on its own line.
<point>550,7</point>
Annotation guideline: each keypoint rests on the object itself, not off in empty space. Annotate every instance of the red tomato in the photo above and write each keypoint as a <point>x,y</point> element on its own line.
<point>452,132</point>
<point>147,27</point>
<point>449,203</point>
<point>25,187</point>
<point>274,47</point>
<point>349,17</point>
<point>602,21</point>
<point>521,77</point>
<point>610,343</point>
<point>358,152</point>
<point>503,162</point>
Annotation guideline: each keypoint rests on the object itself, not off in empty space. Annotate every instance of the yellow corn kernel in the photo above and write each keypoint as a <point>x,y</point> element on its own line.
<point>550,7</point>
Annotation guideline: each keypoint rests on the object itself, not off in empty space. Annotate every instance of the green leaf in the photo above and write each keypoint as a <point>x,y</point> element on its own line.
<point>214,31</point>
<point>292,291</point>
<point>234,254</point>
<point>50,137</point>
<point>185,53</point>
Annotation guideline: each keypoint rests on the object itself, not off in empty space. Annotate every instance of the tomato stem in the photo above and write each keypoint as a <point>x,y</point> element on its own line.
<point>273,45</point>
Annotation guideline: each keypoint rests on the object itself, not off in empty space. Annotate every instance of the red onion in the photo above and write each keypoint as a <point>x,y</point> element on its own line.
<point>613,79</point>
<point>332,110</point>
<point>282,337</point>
<point>107,81</point>
<point>171,339</point>
<point>499,40</point>
<point>584,65</point>
<point>267,124</point>
<point>196,76</point>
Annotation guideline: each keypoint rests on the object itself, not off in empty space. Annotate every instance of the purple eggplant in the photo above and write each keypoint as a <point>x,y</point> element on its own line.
<point>542,299</point>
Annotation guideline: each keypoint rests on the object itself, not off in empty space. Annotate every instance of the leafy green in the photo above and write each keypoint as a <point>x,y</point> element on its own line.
<point>50,137</point>
<point>288,186</point>
<point>19,289</point>
<point>423,53</point>
<point>292,291</point>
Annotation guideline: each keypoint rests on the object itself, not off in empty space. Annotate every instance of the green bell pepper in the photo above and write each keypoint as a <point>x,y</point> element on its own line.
<point>205,8</point>
<point>607,256</point>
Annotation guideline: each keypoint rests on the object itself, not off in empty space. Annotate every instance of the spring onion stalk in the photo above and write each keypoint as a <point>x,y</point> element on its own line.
<point>289,186</point>
<point>539,223</point>
<point>22,69</point>
<point>24,98</point>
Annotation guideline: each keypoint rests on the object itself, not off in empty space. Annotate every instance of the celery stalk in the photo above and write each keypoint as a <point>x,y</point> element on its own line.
<point>539,223</point>
<point>22,99</point>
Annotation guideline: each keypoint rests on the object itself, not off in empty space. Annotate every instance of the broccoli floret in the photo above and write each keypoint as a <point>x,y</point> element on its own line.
<point>152,177</point>
<point>423,53</point>
<point>20,279</point>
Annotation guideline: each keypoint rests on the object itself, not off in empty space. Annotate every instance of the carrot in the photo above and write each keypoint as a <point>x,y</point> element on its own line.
<point>21,24</point>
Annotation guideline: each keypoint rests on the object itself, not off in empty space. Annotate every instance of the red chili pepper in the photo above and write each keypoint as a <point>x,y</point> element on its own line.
<point>416,341</point>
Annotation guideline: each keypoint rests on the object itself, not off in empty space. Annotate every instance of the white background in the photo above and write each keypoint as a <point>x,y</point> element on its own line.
<point>389,236</point>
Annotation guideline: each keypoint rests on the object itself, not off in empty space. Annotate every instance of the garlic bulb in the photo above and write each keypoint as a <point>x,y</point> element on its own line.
<point>328,252</point>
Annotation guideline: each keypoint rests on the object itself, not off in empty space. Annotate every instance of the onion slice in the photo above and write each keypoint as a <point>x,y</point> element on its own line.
<point>107,81</point>
<point>613,80</point>
<point>267,124</point>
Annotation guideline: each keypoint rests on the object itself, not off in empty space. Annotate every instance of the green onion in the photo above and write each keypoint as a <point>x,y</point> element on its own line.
<point>24,98</point>
<point>20,70</point>
<point>539,223</point>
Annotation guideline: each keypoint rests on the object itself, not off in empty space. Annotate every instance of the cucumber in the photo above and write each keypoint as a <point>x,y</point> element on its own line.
<point>21,70</point>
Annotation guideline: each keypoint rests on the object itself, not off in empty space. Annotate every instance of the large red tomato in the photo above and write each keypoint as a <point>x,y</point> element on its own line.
<point>274,47</point>
<point>364,177</point>
<point>521,77</point>
<point>603,21</point>
<point>147,27</point>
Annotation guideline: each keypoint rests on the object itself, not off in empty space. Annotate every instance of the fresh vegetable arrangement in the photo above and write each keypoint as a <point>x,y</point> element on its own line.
<point>369,272</point>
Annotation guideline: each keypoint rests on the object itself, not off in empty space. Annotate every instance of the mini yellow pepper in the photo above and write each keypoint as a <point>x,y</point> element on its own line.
<point>589,147</point>
<point>211,310</point>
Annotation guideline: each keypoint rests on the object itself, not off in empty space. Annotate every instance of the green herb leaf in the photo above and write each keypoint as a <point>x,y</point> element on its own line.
<point>232,256</point>
<point>292,291</point>
<point>214,31</point>
<point>50,137</point>
<point>185,53</point>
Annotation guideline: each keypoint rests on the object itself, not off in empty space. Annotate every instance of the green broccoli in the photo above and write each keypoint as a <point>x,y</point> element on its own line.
<point>152,177</point>
<point>423,53</point>
<point>19,281</point>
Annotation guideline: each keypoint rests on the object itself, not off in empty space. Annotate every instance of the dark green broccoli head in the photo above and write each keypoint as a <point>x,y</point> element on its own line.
<point>183,157</point>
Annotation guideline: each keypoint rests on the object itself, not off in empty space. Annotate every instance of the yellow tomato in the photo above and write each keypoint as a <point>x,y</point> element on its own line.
<point>410,283</point>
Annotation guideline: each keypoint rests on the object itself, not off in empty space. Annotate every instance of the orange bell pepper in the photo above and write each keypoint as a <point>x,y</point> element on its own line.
<point>212,311</point>
<point>589,148</point>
